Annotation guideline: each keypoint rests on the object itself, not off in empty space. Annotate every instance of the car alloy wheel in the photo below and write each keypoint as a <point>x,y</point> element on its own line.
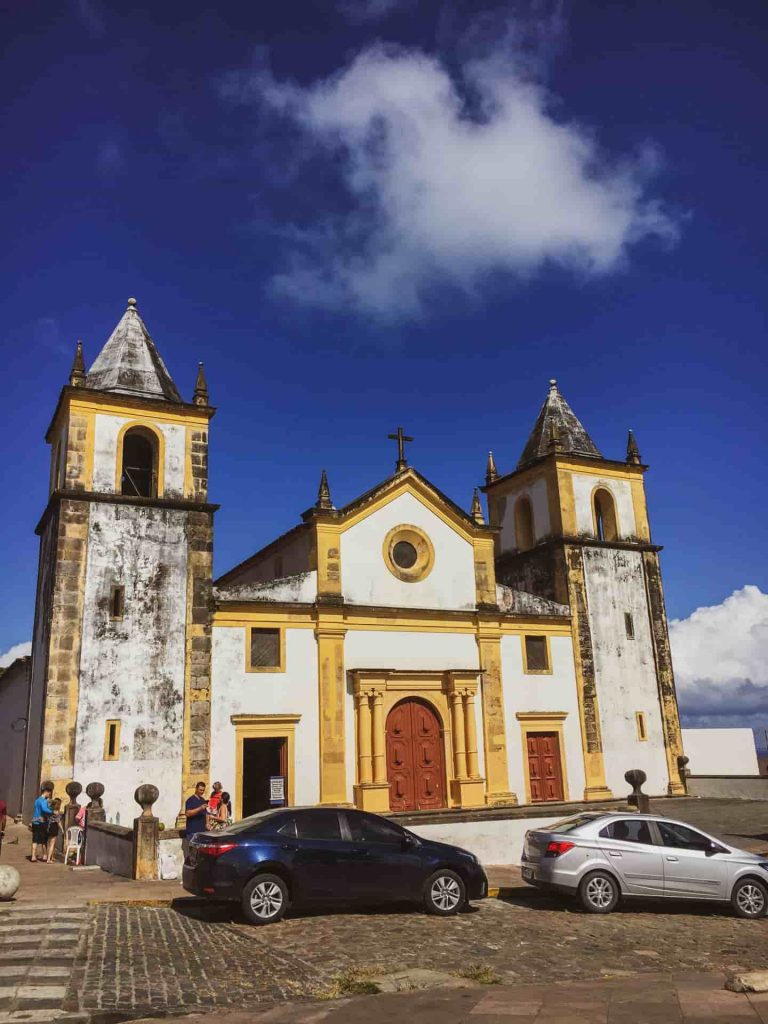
<point>750,899</point>
<point>599,893</point>
<point>445,892</point>
<point>266,900</point>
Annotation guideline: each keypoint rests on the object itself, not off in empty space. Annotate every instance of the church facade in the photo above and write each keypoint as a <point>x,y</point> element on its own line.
<point>396,653</point>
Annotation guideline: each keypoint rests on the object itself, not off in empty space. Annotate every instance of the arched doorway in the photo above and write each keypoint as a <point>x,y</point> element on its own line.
<point>415,764</point>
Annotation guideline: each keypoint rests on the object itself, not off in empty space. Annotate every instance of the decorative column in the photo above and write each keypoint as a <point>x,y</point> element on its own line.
<point>498,793</point>
<point>332,695</point>
<point>372,789</point>
<point>364,766</point>
<point>146,835</point>
<point>468,786</point>
<point>470,732</point>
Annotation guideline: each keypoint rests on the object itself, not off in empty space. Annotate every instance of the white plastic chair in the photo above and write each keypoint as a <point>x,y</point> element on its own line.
<point>74,844</point>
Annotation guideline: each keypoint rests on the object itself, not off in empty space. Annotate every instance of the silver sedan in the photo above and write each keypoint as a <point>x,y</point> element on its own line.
<point>601,858</point>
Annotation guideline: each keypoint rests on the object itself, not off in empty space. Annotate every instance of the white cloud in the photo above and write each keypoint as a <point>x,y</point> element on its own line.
<point>449,176</point>
<point>17,651</point>
<point>720,656</point>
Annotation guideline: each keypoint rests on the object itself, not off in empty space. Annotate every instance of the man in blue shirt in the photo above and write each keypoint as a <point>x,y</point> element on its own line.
<point>41,814</point>
<point>194,810</point>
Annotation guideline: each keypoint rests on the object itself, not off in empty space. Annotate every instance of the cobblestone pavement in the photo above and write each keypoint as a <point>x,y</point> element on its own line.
<point>38,948</point>
<point>165,960</point>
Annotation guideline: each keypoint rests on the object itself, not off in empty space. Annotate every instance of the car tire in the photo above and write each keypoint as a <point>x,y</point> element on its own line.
<point>264,899</point>
<point>444,893</point>
<point>749,898</point>
<point>599,892</point>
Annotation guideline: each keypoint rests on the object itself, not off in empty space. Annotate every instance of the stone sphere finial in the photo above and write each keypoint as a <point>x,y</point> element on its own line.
<point>132,303</point>
<point>635,777</point>
<point>95,791</point>
<point>73,789</point>
<point>145,796</point>
<point>10,879</point>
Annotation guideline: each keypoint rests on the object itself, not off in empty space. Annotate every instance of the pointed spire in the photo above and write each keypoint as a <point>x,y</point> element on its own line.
<point>477,509</point>
<point>633,452</point>
<point>491,473</point>
<point>324,495</point>
<point>77,373</point>
<point>200,396</point>
<point>557,429</point>
<point>129,363</point>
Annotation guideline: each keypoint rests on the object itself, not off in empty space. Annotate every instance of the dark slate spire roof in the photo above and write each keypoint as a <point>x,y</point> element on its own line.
<point>130,364</point>
<point>557,428</point>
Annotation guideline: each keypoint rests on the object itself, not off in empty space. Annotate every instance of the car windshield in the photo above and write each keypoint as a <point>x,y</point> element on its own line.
<point>569,824</point>
<point>251,823</point>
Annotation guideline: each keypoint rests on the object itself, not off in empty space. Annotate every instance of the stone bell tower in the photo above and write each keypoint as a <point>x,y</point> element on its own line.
<point>122,638</point>
<point>574,528</point>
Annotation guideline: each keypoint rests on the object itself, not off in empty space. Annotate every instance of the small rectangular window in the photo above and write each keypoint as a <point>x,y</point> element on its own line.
<point>117,602</point>
<point>265,650</point>
<point>629,626</point>
<point>536,654</point>
<point>112,740</point>
<point>642,733</point>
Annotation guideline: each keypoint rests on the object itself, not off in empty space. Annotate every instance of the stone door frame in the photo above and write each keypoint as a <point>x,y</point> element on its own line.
<point>265,727</point>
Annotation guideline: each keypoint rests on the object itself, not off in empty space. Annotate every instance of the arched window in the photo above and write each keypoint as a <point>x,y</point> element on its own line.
<point>606,527</point>
<point>139,476</point>
<point>523,524</point>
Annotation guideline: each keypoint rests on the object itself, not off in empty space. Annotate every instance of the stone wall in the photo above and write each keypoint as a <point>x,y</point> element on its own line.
<point>110,847</point>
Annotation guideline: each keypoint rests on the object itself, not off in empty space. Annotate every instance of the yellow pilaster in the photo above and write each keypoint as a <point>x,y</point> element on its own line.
<point>470,735</point>
<point>332,692</point>
<point>328,549</point>
<point>459,747</point>
<point>495,737</point>
<point>485,571</point>
<point>364,768</point>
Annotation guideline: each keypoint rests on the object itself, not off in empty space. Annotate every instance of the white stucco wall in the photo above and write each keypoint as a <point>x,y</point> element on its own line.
<point>367,580</point>
<point>292,692</point>
<point>498,842</point>
<point>536,492</point>
<point>133,670</point>
<point>721,751</point>
<point>533,693</point>
<point>106,431</point>
<point>625,669</point>
<point>584,485</point>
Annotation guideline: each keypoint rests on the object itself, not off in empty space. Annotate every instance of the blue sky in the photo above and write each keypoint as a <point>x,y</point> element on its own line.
<point>399,212</point>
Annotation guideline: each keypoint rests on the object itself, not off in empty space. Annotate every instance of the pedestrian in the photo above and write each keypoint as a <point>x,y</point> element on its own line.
<point>41,812</point>
<point>3,819</point>
<point>215,797</point>
<point>54,827</point>
<point>221,816</point>
<point>195,811</point>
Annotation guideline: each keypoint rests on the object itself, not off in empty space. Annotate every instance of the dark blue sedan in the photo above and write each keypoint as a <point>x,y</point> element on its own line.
<point>307,855</point>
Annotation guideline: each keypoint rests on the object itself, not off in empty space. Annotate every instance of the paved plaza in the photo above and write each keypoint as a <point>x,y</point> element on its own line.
<point>107,950</point>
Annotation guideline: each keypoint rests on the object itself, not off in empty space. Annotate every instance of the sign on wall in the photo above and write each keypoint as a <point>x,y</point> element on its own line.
<point>277,790</point>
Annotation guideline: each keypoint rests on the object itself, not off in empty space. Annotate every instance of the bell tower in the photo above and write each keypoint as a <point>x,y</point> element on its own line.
<point>573,527</point>
<point>122,638</point>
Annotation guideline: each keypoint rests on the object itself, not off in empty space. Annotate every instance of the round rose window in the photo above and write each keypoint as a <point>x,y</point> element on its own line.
<point>408,553</point>
<point>404,554</point>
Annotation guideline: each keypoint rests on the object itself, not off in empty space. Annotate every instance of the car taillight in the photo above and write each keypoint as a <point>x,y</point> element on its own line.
<point>215,849</point>
<point>556,849</point>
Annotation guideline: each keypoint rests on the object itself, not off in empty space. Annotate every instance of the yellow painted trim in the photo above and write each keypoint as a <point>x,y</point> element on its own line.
<point>328,553</point>
<point>536,671</point>
<point>176,415</point>
<point>567,502</point>
<point>332,700</point>
<point>640,508</point>
<point>242,616</point>
<point>257,727</point>
<point>280,667</point>
<point>160,470</point>
<point>116,756</point>
<point>601,487</point>
<point>543,721</point>
<point>631,472</point>
<point>485,571</point>
<point>641,726</point>
<point>425,553</point>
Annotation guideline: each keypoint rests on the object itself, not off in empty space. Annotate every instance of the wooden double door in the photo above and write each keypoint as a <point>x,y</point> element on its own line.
<point>415,762</point>
<point>545,770</point>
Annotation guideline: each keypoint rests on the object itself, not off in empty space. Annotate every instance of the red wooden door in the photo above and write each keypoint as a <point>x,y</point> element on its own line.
<point>415,769</point>
<point>544,766</point>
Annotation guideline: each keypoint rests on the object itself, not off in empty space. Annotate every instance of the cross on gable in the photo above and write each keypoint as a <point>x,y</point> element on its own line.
<point>401,438</point>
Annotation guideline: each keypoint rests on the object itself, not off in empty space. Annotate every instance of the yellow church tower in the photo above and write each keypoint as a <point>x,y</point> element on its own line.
<point>573,528</point>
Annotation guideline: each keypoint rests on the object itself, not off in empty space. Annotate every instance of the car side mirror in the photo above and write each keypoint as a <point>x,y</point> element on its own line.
<point>715,848</point>
<point>409,841</point>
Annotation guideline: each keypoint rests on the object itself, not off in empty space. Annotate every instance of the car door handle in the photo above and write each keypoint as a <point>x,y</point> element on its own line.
<point>361,851</point>
<point>673,858</point>
<point>290,846</point>
<point>615,853</point>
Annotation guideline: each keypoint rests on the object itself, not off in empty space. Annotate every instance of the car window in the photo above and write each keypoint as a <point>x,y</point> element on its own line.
<point>367,828</point>
<point>628,830</point>
<point>569,824</point>
<point>681,837</point>
<point>318,825</point>
<point>254,823</point>
<point>288,828</point>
